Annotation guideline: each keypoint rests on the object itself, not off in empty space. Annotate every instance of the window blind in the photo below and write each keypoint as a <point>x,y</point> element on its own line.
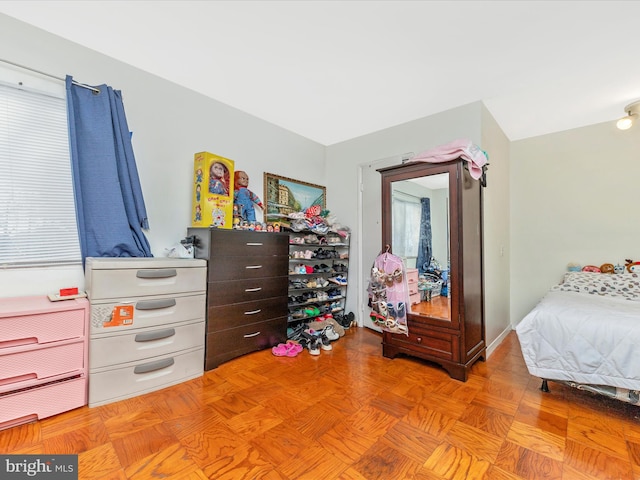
<point>37,210</point>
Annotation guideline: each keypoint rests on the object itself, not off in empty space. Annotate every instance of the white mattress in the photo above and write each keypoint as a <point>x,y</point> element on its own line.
<point>583,338</point>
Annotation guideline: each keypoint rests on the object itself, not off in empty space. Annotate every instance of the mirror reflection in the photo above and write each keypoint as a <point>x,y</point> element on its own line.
<point>420,236</point>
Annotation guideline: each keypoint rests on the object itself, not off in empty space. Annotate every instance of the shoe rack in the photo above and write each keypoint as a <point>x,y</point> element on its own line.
<point>318,274</point>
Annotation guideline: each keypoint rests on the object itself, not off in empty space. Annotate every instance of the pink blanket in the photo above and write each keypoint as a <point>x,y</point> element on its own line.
<point>461,148</point>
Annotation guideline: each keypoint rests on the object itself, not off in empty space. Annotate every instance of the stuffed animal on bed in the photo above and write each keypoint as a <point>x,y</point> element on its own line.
<point>607,268</point>
<point>632,267</point>
<point>591,268</point>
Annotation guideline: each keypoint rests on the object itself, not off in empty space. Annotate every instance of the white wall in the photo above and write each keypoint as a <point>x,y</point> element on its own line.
<point>574,198</point>
<point>496,232</point>
<point>169,123</point>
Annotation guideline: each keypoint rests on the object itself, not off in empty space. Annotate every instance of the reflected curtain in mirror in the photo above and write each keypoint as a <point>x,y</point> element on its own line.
<point>425,247</point>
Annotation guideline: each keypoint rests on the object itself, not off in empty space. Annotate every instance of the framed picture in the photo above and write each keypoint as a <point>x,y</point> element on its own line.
<point>285,195</point>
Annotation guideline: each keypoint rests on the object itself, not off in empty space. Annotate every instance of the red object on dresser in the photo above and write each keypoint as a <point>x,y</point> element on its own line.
<point>43,358</point>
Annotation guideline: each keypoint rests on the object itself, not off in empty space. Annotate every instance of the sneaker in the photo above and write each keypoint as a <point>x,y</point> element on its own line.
<point>343,321</point>
<point>314,346</point>
<point>325,343</point>
<point>312,342</point>
<point>330,333</point>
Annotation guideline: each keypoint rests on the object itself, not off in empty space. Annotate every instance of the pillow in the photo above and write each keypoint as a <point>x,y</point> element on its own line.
<point>625,285</point>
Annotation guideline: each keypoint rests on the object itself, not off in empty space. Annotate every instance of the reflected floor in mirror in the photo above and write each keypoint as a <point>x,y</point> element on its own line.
<point>437,307</point>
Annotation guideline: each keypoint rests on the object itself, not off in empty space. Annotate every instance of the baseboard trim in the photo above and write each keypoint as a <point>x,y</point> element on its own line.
<point>498,340</point>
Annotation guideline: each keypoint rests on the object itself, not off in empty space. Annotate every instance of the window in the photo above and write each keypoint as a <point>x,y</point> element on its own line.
<point>37,210</point>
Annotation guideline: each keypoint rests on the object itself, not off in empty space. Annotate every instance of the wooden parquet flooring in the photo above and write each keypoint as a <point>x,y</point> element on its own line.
<point>349,414</point>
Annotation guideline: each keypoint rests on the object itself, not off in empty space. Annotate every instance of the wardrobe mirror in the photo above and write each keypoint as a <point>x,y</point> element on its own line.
<point>420,235</point>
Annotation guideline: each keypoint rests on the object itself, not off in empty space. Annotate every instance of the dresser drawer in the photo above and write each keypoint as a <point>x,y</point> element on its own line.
<point>238,314</point>
<point>42,328</point>
<point>107,278</point>
<point>414,297</point>
<point>29,366</point>
<point>426,342</point>
<point>239,268</point>
<point>145,343</point>
<point>42,402</point>
<point>135,378</point>
<point>412,280</point>
<point>222,243</point>
<point>231,343</point>
<point>235,291</point>
<point>146,312</point>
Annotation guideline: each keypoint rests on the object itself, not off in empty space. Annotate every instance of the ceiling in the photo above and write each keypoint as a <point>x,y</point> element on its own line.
<point>335,70</point>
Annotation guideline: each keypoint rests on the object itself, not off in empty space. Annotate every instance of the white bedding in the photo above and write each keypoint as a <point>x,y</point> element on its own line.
<point>583,338</point>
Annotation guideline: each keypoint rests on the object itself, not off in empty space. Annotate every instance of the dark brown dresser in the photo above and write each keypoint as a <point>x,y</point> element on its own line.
<point>247,282</point>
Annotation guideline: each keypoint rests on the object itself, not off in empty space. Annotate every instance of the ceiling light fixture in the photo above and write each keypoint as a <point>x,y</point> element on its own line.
<point>633,111</point>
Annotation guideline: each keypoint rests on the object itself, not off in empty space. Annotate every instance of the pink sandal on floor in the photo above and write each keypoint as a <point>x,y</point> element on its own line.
<point>289,349</point>
<point>294,348</point>
<point>280,350</point>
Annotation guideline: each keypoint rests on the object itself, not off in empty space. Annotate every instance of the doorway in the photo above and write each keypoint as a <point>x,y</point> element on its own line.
<point>370,228</point>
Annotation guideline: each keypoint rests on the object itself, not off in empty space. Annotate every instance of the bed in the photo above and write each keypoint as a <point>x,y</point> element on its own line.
<point>585,333</point>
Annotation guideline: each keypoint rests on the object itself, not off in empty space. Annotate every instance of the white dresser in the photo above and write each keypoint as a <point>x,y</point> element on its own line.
<point>147,324</point>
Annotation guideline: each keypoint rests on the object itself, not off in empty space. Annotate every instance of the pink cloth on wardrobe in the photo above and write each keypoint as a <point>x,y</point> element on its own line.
<point>461,148</point>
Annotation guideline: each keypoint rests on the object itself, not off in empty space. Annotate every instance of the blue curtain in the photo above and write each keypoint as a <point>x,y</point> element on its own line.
<point>109,203</point>
<point>425,247</point>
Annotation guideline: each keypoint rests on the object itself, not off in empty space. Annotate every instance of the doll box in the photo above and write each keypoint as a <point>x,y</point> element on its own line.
<point>212,203</point>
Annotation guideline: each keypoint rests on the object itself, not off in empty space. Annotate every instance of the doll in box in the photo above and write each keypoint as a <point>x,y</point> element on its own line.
<point>218,175</point>
<point>244,198</point>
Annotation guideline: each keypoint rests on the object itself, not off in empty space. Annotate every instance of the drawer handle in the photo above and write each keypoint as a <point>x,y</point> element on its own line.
<point>155,304</point>
<point>151,366</point>
<point>254,244</point>
<point>419,339</point>
<point>253,312</point>
<point>158,273</point>
<point>249,335</point>
<point>157,335</point>
<point>257,289</point>
<point>253,266</point>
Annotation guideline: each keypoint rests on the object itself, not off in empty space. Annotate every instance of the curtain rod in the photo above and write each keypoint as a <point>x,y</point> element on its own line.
<point>94,90</point>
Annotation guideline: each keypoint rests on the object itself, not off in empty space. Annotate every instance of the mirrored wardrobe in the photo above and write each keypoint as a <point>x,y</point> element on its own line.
<point>432,218</point>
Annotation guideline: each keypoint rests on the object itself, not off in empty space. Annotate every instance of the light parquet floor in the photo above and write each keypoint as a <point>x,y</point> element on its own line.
<point>349,414</point>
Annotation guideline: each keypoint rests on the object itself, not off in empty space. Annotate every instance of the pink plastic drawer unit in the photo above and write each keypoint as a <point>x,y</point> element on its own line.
<point>43,358</point>
<point>412,284</point>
